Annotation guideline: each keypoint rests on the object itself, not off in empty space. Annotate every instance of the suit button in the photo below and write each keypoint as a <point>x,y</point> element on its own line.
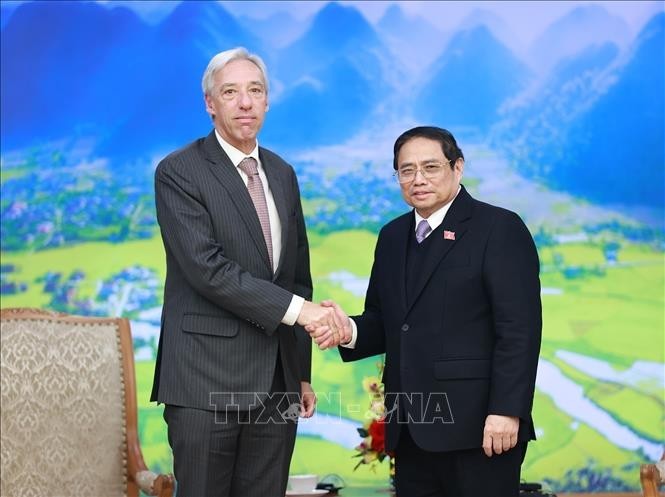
<point>405,327</point>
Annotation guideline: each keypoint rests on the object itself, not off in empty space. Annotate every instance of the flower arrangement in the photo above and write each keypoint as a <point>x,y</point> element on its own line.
<point>372,449</point>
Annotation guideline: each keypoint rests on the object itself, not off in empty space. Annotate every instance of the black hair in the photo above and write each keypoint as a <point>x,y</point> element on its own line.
<point>448,144</point>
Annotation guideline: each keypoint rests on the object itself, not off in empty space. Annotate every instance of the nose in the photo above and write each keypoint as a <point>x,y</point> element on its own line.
<point>244,100</point>
<point>422,179</point>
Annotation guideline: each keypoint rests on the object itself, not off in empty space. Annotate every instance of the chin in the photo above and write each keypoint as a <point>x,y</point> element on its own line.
<point>422,207</point>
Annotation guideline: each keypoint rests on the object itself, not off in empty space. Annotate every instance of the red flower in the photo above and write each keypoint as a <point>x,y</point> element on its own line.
<point>377,430</point>
<point>372,449</point>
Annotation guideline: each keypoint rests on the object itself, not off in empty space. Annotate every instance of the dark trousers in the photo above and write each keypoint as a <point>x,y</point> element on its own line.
<point>464,473</point>
<point>240,454</point>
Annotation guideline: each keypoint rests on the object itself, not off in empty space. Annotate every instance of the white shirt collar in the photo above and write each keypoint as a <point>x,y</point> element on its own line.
<point>436,218</point>
<point>237,155</point>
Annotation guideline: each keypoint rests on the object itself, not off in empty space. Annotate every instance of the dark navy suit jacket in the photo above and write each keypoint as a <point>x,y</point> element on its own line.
<point>466,343</point>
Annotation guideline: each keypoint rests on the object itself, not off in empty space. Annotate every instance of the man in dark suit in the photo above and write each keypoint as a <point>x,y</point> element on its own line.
<point>237,282</point>
<point>454,303</point>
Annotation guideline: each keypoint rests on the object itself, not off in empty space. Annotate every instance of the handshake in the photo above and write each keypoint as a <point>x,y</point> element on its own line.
<point>327,324</point>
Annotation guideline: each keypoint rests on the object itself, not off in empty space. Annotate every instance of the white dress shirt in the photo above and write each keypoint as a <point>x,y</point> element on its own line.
<point>236,157</point>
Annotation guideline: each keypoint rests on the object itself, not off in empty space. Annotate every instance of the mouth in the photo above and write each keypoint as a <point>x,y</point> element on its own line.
<point>420,195</point>
<point>245,119</point>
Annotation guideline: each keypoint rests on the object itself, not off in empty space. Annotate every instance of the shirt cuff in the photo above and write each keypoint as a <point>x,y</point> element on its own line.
<point>293,311</point>
<point>354,336</point>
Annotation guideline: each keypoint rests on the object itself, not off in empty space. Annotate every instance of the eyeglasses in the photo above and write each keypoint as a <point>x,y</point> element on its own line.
<point>429,171</point>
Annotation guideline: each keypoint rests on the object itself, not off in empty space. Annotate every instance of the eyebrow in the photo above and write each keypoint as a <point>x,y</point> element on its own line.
<point>426,161</point>
<point>251,83</point>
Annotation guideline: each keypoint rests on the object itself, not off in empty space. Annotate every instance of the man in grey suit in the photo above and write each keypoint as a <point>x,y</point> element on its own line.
<point>235,296</point>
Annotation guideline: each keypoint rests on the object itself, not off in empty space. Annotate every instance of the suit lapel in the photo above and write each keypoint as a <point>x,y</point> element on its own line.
<point>224,170</point>
<point>279,196</point>
<point>403,233</point>
<point>455,224</point>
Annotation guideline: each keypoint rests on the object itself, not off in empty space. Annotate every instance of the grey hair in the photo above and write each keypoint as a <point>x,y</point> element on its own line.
<point>223,58</point>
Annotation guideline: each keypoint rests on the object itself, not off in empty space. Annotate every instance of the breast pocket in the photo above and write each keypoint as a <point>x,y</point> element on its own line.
<point>454,260</point>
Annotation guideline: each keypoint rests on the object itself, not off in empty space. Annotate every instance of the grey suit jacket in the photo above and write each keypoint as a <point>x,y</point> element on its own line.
<point>220,329</point>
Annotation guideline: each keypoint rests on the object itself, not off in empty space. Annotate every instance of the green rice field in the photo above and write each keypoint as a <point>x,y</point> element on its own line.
<point>613,313</point>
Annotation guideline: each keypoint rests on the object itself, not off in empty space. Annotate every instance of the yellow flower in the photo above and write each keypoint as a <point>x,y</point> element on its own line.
<point>371,450</point>
<point>377,408</point>
<point>370,457</point>
<point>372,384</point>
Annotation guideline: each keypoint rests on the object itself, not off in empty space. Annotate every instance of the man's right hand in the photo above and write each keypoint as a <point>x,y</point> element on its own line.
<point>324,325</point>
<point>331,334</point>
<point>319,322</point>
<point>343,321</point>
<point>312,313</point>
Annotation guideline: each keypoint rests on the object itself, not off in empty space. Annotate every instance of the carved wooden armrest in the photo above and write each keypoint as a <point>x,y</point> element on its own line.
<point>652,476</point>
<point>660,466</point>
<point>152,483</point>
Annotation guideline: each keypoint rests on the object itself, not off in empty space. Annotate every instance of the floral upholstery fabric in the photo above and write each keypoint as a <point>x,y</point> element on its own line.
<point>62,409</point>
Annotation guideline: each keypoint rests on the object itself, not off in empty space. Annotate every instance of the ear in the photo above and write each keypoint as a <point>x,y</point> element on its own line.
<point>208,102</point>
<point>459,167</point>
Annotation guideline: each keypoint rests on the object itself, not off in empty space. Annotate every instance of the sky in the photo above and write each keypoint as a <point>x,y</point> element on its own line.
<point>527,19</point>
<point>446,14</point>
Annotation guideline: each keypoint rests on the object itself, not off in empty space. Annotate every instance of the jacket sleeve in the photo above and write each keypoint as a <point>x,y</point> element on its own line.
<point>511,275</point>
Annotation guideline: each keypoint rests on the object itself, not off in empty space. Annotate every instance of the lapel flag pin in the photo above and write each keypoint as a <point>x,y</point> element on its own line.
<point>448,235</point>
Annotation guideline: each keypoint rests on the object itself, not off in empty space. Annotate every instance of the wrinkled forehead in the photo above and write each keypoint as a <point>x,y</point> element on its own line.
<point>241,72</point>
<point>419,150</point>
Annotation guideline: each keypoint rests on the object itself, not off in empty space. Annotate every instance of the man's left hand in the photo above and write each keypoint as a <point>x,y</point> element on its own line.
<point>500,433</point>
<point>308,400</point>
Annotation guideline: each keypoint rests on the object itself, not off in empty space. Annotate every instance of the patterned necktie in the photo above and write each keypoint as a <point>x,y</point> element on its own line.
<point>422,230</point>
<point>255,188</point>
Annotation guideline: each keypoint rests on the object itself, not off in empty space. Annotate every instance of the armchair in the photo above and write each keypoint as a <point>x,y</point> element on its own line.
<point>652,476</point>
<point>68,411</point>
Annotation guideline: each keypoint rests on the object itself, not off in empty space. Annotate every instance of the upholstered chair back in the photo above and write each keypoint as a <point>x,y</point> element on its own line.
<point>63,410</point>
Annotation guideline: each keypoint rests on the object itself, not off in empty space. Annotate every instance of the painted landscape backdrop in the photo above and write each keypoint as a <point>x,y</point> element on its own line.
<point>559,108</point>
